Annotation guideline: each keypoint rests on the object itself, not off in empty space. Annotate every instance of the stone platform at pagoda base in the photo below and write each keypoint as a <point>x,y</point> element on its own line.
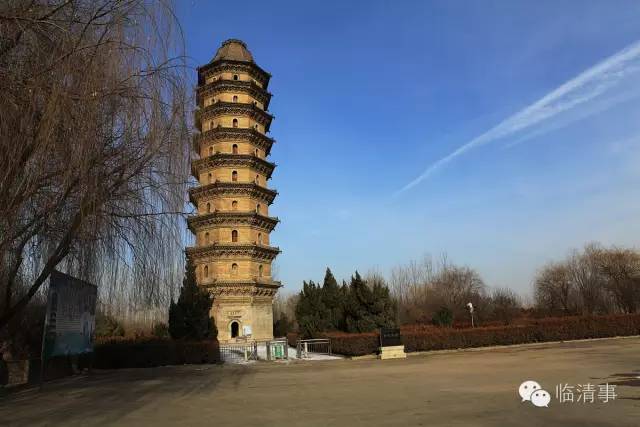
<point>392,352</point>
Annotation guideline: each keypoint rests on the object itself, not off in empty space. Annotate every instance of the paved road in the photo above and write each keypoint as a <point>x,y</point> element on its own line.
<point>472,388</point>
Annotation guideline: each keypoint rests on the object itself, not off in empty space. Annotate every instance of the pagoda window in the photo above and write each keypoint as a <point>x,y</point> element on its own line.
<point>211,151</point>
<point>234,236</point>
<point>235,98</point>
<point>257,179</point>
<point>235,77</point>
<point>235,123</point>
<point>206,271</point>
<point>208,207</point>
<point>234,176</point>
<point>260,238</point>
<point>234,149</point>
<point>210,178</point>
<point>234,205</point>
<point>234,269</point>
<point>260,270</point>
<point>258,208</point>
<point>206,238</point>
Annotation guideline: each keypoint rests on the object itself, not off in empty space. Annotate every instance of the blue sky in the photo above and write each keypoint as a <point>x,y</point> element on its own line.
<point>370,96</point>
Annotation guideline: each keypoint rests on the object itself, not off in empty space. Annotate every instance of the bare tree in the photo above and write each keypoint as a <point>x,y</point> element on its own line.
<point>284,313</point>
<point>554,291</point>
<point>584,273</point>
<point>93,145</point>
<point>594,280</point>
<point>285,304</point>
<point>505,305</point>
<point>621,270</point>
<point>409,286</point>
<point>422,288</point>
<point>457,286</point>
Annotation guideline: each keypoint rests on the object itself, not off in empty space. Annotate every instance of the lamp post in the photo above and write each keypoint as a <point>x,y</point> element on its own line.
<point>470,307</point>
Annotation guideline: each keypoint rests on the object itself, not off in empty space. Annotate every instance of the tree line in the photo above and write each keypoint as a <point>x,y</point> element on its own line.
<point>362,305</point>
<point>594,280</point>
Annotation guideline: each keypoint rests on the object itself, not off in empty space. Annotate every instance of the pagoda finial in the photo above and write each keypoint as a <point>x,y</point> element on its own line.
<point>233,50</point>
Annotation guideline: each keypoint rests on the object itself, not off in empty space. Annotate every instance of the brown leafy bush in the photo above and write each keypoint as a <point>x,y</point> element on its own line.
<point>355,344</point>
<point>292,338</point>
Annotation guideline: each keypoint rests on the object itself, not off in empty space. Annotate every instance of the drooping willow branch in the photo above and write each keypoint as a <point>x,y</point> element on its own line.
<point>94,148</point>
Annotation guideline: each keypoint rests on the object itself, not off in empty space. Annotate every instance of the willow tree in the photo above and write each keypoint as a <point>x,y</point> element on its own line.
<point>93,144</point>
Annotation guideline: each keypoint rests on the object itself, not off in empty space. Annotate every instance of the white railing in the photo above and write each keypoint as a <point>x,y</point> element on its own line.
<point>315,346</point>
<point>238,352</point>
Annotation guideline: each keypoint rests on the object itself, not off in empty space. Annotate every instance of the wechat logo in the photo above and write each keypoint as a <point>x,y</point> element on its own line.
<point>534,393</point>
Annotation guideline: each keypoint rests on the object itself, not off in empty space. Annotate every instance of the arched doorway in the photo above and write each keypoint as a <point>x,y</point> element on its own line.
<point>235,329</point>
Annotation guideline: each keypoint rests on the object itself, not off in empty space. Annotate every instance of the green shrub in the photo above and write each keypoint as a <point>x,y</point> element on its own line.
<point>443,317</point>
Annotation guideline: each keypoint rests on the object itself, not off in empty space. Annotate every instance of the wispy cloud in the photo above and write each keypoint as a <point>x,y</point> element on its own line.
<point>576,92</point>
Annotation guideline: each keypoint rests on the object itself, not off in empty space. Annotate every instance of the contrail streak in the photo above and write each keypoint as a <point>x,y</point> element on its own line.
<point>577,91</point>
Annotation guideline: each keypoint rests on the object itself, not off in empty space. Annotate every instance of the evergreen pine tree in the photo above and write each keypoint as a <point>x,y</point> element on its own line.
<point>281,326</point>
<point>333,299</point>
<point>368,307</point>
<point>189,316</point>
<point>384,307</point>
<point>311,313</point>
<point>360,299</point>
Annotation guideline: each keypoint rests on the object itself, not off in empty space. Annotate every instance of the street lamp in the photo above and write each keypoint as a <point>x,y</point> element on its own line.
<point>470,308</point>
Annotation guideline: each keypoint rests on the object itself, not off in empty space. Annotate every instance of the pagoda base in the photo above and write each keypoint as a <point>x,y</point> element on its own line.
<point>243,316</point>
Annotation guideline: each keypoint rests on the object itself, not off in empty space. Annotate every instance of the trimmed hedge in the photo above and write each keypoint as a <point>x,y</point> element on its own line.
<point>117,353</point>
<point>427,338</point>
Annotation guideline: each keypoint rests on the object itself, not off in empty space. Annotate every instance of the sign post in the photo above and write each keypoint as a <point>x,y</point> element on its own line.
<point>70,319</point>
<point>391,346</point>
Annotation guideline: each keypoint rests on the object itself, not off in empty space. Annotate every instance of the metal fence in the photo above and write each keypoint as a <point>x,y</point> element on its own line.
<point>239,352</point>
<point>316,346</point>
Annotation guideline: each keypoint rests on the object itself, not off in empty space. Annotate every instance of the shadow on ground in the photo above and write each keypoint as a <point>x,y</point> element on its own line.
<point>107,396</point>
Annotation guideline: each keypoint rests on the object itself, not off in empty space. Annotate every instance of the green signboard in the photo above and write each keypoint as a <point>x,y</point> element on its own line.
<point>278,351</point>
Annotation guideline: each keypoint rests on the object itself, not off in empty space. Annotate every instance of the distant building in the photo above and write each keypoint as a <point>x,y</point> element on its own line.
<point>233,254</point>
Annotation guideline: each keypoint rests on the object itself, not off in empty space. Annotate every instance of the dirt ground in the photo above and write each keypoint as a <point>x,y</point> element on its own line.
<point>467,388</point>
